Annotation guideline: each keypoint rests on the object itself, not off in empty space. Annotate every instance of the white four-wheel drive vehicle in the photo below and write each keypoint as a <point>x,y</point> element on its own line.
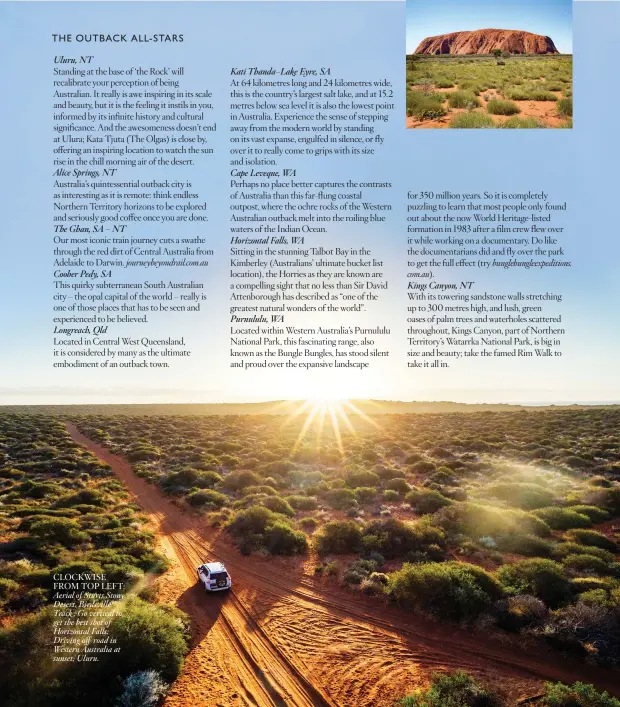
<point>214,577</point>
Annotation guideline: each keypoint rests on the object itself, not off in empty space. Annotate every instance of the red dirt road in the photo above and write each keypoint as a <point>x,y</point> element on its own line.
<point>280,639</point>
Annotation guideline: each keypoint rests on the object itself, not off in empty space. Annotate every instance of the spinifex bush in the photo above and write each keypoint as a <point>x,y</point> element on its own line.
<point>463,99</point>
<point>425,106</point>
<point>565,107</point>
<point>499,107</point>
<point>472,120</point>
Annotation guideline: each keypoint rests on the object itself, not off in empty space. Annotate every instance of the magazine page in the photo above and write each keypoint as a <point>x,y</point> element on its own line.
<point>309,388</point>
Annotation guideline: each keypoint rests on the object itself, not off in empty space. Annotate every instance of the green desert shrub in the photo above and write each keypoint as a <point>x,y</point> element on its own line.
<point>571,548</point>
<point>262,488</point>
<point>426,500</point>
<point>239,479</point>
<point>594,538</point>
<point>278,505</point>
<point>565,107</point>
<point>257,528</point>
<point>541,578</point>
<point>303,503</point>
<point>150,637</point>
<point>394,538</point>
<point>582,585</point>
<point>308,524</point>
<point>523,495</point>
<point>596,515</point>
<point>576,695</point>
<point>341,499</point>
<point>444,83</point>
<point>452,690</point>
<point>207,497</point>
<point>361,477</point>
<point>497,106</point>
<point>60,530</point>
<point>425,106</point>
<point>452,590</point>
<point>562,518</point>
<point>542,95</point>
<point>586,564</point>
<point>338,537</point>
<point>472,120</point>
<point>477,521</point>
<point>520,544</point>
<point>365,494</point>
<point>391,496</point>
<point>399,485</point>
<point>463,99</point>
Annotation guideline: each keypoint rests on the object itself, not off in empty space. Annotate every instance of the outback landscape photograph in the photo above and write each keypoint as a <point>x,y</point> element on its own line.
<point>485,64</point>
<point>379,553</point>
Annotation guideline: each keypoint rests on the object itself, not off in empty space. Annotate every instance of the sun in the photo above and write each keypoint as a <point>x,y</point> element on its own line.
<point>331,413</point>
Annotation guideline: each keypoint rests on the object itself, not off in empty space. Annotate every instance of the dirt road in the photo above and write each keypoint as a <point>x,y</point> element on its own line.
<point>280,639</point>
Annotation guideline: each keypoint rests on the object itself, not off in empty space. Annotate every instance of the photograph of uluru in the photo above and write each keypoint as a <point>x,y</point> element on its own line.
<point>484,64</point>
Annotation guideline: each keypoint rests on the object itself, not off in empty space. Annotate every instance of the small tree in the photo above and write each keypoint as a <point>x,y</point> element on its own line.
<point>497,53</point>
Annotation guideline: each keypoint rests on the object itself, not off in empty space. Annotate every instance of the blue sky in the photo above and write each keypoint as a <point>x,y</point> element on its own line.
<point>578,166</point>
<point>426,18</point>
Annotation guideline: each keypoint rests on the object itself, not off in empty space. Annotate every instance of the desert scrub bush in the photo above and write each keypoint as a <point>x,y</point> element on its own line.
<point>278,505</point>
<point>463,99</point>
<point>365,494</point>
<point>452,590</point>
<point>308,524</point>
<point>572,548</point>
<point>594,538</point>
<point>576,695</point>
<point>338,537</point>
<point>452,690</point>
<point>391,496</point>
<point>472,120</point>
<point>258,528</point>
<point>262,488</point>
<point>239,479</point>
<point>65,531</point>
<point>541,578</point>
<point>471,86</point>
<point>562,518</point>
<point>497,106</point>
<point>583,585</point>
<point>361,477</point>
<point>565,107</point>
<point>519,612</point>
<point>476,520</point>
<point>425,106</point>
<point>525,123</point>
<point>341,499</point>
<point>426,500</point>
<point>580,564</point>
<point>400,485</point>
<point>142,689</point>
<point>596,515</point>
<point>523,495</point>
<point>394,538</point>
<point>358,571</point>
<point>207,498</point>
<point>589,628</point>
<point>303,503</point>
<point>444,83</point>
<point>520,544</point>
